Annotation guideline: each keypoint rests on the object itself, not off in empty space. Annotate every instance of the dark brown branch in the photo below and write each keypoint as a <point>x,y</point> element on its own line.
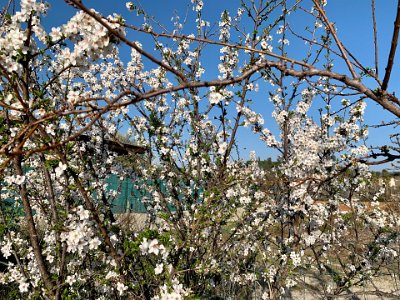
<point>55,219</point>
<point>393,49</point>
<point>33,235</point>
<point>389,158</point>
<point>379,162</point>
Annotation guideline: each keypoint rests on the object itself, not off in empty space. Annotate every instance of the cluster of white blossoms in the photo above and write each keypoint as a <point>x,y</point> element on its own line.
<point>224,27</point>
<point>197,5</point>
<point>6,249</point>
<point>357,111</point>
<point>13,35</point>
<point>16,179</point>
<point>12,245</point>
<point>251,118</point>
<point>60,169</point>
<point>92,40</point>
<point>265,43</point>
<point>268,138</point>
<point>177,292</point>
<point>229,61</point>
<point>79,233</point>
<point>152,246</point>
<point>215,97</point>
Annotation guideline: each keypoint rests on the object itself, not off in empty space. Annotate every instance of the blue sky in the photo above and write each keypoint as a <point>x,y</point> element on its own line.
<point>352,18</point>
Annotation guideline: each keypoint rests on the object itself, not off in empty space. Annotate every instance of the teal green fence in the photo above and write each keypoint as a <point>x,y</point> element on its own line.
<point>129,198</point>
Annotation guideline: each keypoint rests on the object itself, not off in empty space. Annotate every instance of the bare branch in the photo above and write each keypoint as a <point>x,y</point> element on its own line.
<point>393,48</point>
<point>336,38</point>
<point>375,37</point>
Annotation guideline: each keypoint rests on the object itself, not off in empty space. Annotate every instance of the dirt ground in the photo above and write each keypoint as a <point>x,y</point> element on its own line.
<point>379,289</point>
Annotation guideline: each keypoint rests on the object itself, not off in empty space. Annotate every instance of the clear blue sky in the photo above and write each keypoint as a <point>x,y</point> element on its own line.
<point>353,20</point>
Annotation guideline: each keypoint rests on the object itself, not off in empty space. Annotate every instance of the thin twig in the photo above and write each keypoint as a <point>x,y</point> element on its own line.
<point>6,8</point>
<point>336,38</point>
<point>375,37</point>
<point>212,42</point>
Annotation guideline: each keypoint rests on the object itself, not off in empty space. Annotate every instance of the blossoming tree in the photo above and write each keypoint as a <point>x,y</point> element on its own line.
<point>217,225</point>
